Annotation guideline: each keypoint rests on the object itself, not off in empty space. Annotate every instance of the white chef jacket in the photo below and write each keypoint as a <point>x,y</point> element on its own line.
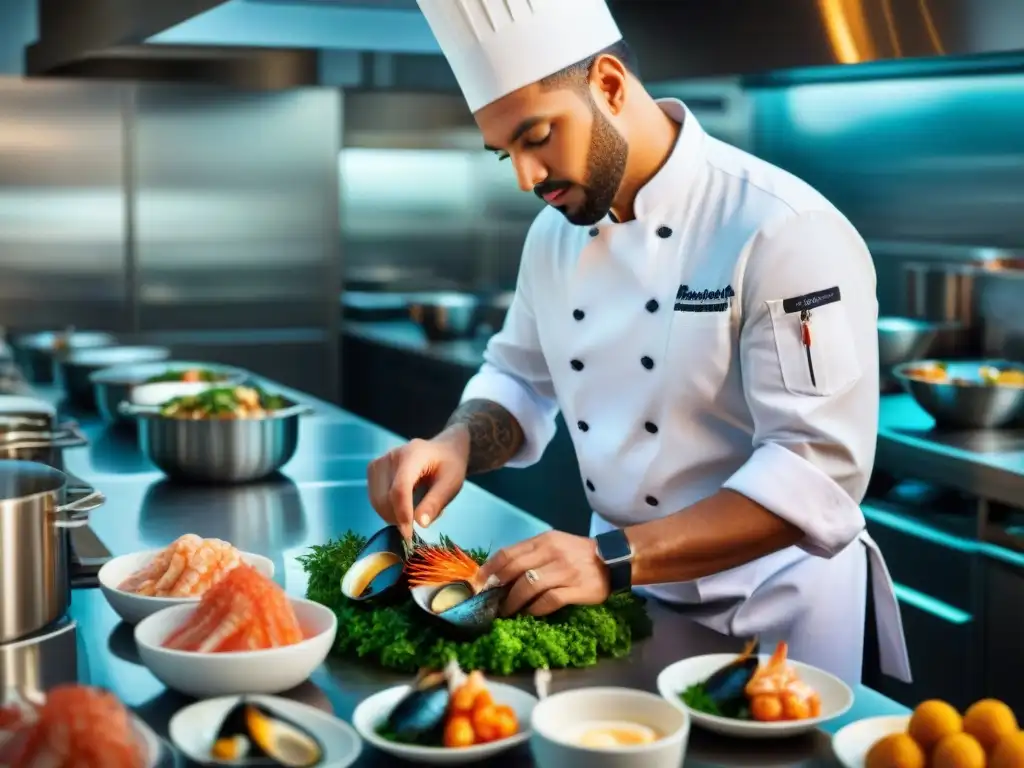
<point>672,345</point>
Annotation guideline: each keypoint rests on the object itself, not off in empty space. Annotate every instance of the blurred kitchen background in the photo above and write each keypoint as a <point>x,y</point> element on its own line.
<point>296,187</point>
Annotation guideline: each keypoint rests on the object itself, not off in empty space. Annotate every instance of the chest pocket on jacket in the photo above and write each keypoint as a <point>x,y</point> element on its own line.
<point>816,348</point>
<point>700,352</point>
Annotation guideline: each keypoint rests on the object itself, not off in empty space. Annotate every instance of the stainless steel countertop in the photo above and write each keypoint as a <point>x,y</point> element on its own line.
<point>988,464</point>
<point>321,494</point>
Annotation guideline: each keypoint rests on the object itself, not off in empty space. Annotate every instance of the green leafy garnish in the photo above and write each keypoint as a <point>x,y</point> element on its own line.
<point>220,402</point>
<point>696,697</point>
<point>202,375</point>
<point>401,637</point>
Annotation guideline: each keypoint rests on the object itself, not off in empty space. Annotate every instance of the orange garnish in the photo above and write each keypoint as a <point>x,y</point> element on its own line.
<point>430,565</point>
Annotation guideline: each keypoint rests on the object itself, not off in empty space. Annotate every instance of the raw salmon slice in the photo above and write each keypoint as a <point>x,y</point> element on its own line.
<point>244,611</point>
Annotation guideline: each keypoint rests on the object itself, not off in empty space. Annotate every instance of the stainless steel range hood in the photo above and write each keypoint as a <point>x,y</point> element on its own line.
<point>675,39</point>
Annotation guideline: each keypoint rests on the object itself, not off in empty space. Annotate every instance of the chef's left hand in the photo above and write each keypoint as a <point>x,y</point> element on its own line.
<point>548,572</point>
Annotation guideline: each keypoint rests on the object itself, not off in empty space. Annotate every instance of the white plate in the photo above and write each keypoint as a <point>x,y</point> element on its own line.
<point>224,674</point>
<point>134,608</point>
<point>194,728</point>
<point>852,743</point>
<point>374,710</point>
<point>836,697</point>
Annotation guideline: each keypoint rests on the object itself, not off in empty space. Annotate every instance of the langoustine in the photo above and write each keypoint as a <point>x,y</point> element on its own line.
<point>245,611</point>
<point>776,692</point>
<point>188,567</point>
<point>77,726</point>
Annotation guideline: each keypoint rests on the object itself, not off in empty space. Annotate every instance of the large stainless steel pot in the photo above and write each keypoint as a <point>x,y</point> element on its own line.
<point>37,505</point>
<point>219,450</point>
<point>75,368</point>
<point>30,431</point>
<point>113,386</point>
<point>36,353</point>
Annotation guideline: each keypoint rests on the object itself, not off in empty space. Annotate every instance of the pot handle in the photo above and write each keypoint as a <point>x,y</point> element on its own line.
<point>68,436</point>
<point>81,506</point>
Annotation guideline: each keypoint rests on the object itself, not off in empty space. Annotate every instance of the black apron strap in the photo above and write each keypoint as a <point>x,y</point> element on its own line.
<point>871,670</point>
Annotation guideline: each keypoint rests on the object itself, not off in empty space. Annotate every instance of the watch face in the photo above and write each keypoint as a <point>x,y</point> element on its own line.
<point>614,545</point>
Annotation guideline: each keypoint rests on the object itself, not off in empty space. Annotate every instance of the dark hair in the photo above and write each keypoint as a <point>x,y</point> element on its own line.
<point>577,75</point>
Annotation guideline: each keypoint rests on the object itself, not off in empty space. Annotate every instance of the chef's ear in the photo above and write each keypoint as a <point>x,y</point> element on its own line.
<point>609,80</point>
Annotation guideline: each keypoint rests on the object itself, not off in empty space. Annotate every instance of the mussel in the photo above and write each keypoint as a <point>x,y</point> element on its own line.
<point>252,735</point>
<point>460,606</point>
<point>379,568</point>
<point>419,715</point>
<point>726,686</point>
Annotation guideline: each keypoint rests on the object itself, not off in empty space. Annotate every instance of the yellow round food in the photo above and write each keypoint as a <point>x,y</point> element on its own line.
<point>989,720</point>
<point>958,750</point>
<point>933,720</point>
<point>897,750</point>
<point>1009,752</point>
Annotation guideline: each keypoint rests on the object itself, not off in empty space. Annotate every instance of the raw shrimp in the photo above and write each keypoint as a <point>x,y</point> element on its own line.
<point>77,727</point>
<point>244,611</point>
<point>186,568</point>
<point>776,692</point>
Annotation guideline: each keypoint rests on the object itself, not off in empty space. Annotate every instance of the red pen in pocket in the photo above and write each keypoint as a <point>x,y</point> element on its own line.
<point>805,338</point>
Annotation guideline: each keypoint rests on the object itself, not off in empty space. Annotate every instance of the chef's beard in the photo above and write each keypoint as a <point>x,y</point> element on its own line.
<point>606,165</point>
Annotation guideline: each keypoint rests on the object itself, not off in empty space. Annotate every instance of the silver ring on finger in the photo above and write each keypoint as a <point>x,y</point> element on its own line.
<point>531,576</point>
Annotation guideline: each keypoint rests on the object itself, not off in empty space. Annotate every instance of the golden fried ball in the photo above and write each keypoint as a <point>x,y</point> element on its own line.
<point>933,720</point>
<point>958,750</point>
<point>989,720</point>
<point>897,750</point>
<point>1009,752</point>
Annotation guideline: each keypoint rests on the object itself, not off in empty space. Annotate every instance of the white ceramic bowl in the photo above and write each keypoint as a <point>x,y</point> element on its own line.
<point>204,675</point>
<point>160,392</point>
<point>557,717</point>
<point>134,608</point>
<point>194,728</point>
<point>836,697</point>
<point>372,711</point>
<point>852,743</point>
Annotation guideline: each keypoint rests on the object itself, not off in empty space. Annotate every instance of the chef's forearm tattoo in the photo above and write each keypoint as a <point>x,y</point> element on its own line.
<point>494,434</point>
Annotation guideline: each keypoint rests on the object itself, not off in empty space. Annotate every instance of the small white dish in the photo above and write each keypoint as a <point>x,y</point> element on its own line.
<point>836,697</point>
<point>194,728</point>
<point>134,608</point>
<point>159,392</point>
<point>373,711</point>
<point>560,717</point>
<point>852,743</point>
<point>223,674</point>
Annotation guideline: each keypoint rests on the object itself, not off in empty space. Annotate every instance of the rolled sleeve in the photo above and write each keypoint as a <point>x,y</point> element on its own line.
<point>515,374</point>
<point>815,422</point>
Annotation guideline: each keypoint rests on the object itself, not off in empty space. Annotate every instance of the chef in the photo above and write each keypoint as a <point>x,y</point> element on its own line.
<point>706,324</point>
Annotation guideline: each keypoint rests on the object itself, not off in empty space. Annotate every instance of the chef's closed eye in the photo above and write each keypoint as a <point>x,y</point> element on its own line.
<point>815,343</point>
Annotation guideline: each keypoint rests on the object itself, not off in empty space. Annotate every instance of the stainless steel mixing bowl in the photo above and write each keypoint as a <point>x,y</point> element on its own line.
<point>220,450</point>
<point>445,316</point>
<point>964,401</point>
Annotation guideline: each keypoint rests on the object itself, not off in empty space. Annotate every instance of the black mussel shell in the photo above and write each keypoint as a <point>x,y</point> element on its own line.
<point>251,735</point>
<point>421,711</point>
<point>472,616</point>
<point>726,686</point>
<point>385,548</point>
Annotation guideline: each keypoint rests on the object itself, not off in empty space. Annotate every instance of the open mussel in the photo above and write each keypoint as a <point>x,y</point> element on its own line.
<point>419,715</point>
<point>726,686</point>
<point>379,568</point>
<point>252,735</point>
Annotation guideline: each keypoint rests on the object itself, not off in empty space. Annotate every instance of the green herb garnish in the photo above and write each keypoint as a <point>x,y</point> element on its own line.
<point>402,638</point>
<point>696,698</point>
<point>218,402</point>
<point>203,374</point>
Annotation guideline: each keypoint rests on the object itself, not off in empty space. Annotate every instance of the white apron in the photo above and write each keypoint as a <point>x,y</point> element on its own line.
<point>673,346</point>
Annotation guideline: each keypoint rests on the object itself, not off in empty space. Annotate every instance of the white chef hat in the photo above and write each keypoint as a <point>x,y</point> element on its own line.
<point>495,47</point>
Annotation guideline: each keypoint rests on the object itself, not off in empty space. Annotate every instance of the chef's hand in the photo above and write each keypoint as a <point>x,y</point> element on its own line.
<point>438,464</point>
<point>548,572</point>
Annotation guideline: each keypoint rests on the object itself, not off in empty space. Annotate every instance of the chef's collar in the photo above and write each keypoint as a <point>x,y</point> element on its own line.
<point>669,191</point>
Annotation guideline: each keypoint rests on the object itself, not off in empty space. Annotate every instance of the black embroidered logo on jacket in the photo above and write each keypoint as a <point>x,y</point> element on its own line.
<point>688,300</point>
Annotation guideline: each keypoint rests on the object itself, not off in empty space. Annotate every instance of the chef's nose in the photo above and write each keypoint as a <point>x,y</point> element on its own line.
<point>529,172</point>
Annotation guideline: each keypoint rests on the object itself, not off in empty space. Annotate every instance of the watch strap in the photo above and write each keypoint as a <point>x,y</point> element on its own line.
<point>615,551</point>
